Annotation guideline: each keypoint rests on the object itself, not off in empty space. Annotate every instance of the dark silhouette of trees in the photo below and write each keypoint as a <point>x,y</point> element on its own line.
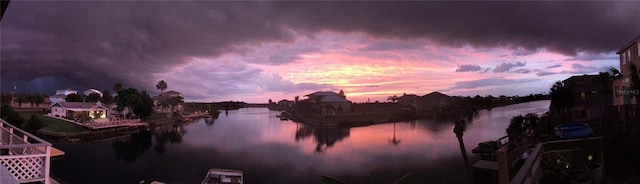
<point>175,101</point>
<point>106,97</point>
<point>560,99</point>
<point>10,115</point>
<point>34,99</point>
<point>461,113</point>
<point>129,98</point>
<point>117,87</point>
<point>93,97</point>
<point>146,108</point>
<point>73,98</point>
<point>162,85</point>
<point>6,98</point>
<point>21,98</point>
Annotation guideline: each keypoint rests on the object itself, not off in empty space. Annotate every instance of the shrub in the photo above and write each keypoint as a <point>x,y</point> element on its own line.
<point>8,114</point>
<point>34,123</point>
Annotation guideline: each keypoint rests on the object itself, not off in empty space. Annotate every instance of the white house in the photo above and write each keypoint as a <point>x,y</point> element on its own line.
<point>66,92</point>
<point>79,110</point>
<point>91,91</point>
<point>60,95</point>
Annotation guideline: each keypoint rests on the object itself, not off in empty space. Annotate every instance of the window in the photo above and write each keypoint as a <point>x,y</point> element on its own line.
<point>583,96</point>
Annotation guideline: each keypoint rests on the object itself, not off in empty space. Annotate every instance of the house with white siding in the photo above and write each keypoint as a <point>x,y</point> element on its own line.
<point>79,110</point>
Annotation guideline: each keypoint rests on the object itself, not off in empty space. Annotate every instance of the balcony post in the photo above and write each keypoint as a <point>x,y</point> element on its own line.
<point>503,166</point>
<point>47,165</point>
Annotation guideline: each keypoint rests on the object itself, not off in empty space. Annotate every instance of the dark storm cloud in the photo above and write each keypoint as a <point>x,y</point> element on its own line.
<point>503,67</point>
<point>100,43</point>
<point>562,27</point>
<point>108,42</point>
<point>468,68</point>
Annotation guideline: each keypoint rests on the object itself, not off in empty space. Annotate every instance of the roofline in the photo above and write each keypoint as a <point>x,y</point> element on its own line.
<point>628,45</point>
<point>101,104</point>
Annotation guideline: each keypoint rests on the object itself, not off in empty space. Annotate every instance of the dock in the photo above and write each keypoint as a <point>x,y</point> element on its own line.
<point>55,152</point>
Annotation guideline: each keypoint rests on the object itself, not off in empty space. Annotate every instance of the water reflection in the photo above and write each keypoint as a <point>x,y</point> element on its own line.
<point>209,121</point>
<point>168,134</point>
<point>130,149</point>
<point>273,151</point>
<point>325,137</point>
<point>395,141</point>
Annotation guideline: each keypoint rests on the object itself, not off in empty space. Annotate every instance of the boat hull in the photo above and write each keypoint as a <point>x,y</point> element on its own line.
<point>223,176</point>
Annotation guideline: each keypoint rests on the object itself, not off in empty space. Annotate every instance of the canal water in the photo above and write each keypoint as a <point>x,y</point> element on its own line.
<point>269,150</point>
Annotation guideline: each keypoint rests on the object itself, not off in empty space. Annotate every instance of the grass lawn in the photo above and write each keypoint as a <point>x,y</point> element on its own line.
<point>55,125</point>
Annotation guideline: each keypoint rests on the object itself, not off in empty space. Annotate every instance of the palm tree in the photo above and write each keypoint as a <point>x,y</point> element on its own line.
<point>162,85</point>
<point>461,113</point>
<point>614,72</point>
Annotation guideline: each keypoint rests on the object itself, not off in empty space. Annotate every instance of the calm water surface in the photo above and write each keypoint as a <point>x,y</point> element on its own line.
<point>269,150</point>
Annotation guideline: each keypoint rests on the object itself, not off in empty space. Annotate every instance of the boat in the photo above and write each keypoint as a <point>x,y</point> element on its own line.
<point>487,150</point>
<point>283,116</point>
<point>573,130</point>
<point>330,180</point>
<point>223,176</point>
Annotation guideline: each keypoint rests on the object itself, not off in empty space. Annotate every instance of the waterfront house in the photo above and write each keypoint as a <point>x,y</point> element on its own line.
<point>161,102</point>
<point>92,91</point>
<point>66,92</point>
<point>79,110</point>
<point>60,95</point>
<point>433,101</point>
<point>57,98</point>
<point>286,103</point>
<point>408,100</point>
<point>589,93</point>
<point>329,103</point>
<point>630,53</point>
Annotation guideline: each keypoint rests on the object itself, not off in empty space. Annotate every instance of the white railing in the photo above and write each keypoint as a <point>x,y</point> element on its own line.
<point>529,173</point>
<point>26,156</point>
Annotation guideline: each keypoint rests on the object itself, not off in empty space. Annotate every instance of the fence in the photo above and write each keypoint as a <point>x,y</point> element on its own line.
<point>528,172</point>
<point>26,156</point>
<point>621,143</point>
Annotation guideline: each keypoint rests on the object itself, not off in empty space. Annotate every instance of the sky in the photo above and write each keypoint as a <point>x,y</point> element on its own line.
<point>255,51</point>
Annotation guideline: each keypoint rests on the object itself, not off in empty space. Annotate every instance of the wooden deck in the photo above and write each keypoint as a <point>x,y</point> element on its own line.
<point>55,152</point>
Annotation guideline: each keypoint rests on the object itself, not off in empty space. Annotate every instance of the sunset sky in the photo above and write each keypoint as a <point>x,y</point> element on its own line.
<point>255,51</point>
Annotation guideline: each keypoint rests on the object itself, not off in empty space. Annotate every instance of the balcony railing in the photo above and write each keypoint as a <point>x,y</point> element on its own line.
<point>26,156</point>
